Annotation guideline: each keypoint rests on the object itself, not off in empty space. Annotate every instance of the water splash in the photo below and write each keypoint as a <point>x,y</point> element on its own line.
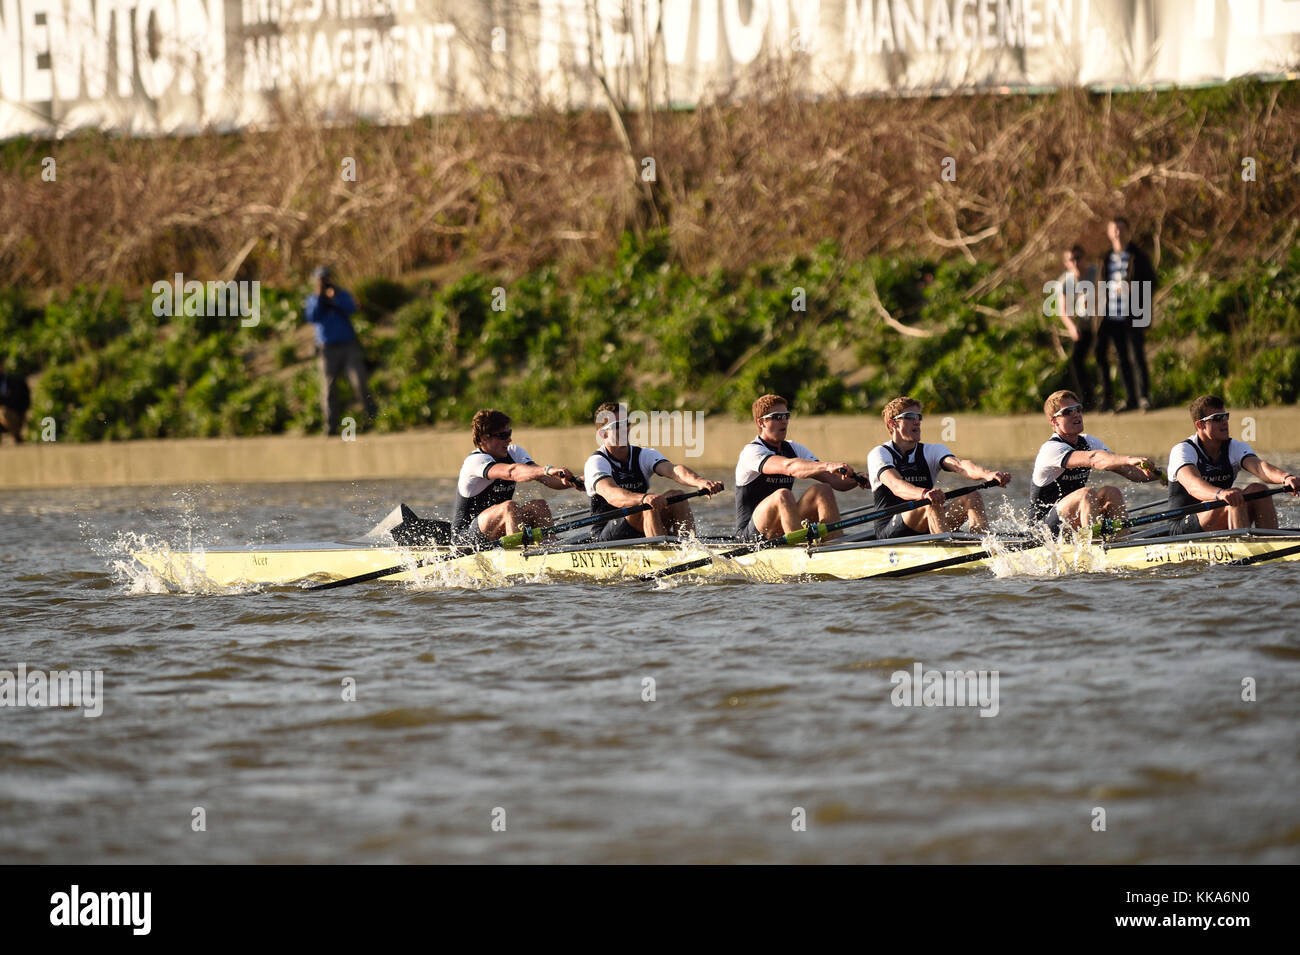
<point>157,563</point>
<point>720,569</point>
<point>471,572</point>
<point>147,564</point>
<point>1039,553</point>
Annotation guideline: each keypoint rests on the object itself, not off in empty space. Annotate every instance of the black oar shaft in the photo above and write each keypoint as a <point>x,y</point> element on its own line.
<point>1278,554</point>
<point>1194,509</point>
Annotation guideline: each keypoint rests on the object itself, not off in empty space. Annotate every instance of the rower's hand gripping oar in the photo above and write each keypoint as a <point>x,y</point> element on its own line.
<point>510,541</point>
<point>1107,526</point>
<point>811,532</point>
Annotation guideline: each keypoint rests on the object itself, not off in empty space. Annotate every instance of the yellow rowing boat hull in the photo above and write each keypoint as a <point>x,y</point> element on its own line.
<point>282,565</point>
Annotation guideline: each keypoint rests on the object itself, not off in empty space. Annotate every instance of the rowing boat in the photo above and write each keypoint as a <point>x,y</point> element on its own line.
<point>289,564</point>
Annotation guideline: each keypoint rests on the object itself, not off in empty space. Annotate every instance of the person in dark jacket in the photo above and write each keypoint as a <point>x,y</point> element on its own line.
<point>338,351</point>
<point>1126,306</point>
<point>15,399</point>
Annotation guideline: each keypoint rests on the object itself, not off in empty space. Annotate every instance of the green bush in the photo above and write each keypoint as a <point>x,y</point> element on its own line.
<point>643,330</point>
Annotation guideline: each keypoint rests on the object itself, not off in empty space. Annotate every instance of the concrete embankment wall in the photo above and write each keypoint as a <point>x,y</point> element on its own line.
<point>439,453</point>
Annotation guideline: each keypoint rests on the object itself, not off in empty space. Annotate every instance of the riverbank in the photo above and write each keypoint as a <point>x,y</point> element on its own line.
<point>711,449</point>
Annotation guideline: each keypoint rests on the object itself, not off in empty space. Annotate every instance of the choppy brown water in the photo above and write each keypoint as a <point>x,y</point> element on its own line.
<point>1121,692</point>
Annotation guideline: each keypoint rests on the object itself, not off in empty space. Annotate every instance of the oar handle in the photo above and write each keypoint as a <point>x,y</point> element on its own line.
<point>535,535</point>
<point>1107,526</point>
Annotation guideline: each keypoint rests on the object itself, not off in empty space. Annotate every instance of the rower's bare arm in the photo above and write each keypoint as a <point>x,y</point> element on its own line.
<point>687,477</point>
<point>1106,461</point>
<point>904,491</point>
<point>1194,484</point>
<point>514,472</point>
<point>556,478</point>
<point>828,472</point>
<point>615,495</point>
<point>970,469</point>
<point>1270,472</point>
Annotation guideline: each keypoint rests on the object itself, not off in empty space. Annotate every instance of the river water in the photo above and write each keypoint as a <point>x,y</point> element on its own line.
<point>510,723</point>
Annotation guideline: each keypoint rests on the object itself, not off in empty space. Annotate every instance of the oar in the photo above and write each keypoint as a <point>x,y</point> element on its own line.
<point>812,531</point>
<point>1108,526</point>
<point>1030,545</point>
<point>518,539</point>
<point>1271,555</point>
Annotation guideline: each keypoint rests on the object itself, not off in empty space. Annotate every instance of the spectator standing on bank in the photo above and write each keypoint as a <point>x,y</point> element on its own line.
<point>15,399</point>
<point>1127,306</point>
<point>338,351</point>
<point>1077,291</point>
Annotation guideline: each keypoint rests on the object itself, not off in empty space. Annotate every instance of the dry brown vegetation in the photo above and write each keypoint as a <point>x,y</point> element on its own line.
<point>736,185</point>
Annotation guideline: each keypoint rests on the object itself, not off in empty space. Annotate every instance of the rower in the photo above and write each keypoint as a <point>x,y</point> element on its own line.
<point>1204,467</point>
<point>485,509</point>
<point>618,475</point>
<point>1066,461</point>
<point>767,469</point>
<point>904,469</point>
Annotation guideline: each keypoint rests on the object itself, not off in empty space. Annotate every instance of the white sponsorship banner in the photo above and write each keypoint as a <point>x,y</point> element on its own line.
<point>178,66</point>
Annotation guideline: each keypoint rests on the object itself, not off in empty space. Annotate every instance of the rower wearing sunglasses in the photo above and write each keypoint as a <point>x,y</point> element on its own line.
<point>904,469</point>
<point>618,475</point>
<point>766,471</point>
<point>1065,462</point>
<point>1205,466</point>
<point>485,509</point>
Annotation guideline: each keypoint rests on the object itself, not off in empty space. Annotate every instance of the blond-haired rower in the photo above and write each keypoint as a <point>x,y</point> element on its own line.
<point>766,471</point>
<point>1065,462</point>
<point>904,469</point>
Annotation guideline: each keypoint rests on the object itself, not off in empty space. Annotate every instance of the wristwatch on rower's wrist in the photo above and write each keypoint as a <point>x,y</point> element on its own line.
<point>547,470</point>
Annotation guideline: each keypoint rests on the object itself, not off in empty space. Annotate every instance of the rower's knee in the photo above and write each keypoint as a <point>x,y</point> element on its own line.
<point>1254,488</point>
<point>820,491</point>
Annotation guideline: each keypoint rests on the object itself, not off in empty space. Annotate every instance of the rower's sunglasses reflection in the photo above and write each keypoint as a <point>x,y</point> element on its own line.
<point>1072,409</point>
<point>909,416</point>
<point>1217,416</point>
<point>777,416</point>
